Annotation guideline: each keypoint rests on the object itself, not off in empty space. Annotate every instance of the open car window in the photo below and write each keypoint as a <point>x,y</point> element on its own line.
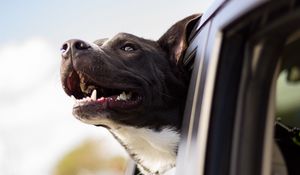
<point>287,113</point>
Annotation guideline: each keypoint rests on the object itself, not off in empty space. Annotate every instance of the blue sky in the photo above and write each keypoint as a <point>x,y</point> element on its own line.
<point>57,20</point>
<point>36,124</point>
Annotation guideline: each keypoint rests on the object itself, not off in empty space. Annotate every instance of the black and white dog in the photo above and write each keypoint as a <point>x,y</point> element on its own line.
<point>136,88</point>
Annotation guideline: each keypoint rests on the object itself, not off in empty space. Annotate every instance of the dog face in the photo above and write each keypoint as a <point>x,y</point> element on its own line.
<point>137,82</point>
<point>128,81</point>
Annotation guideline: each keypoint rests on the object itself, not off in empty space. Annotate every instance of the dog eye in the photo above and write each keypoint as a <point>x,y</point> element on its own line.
<point>128,48</point>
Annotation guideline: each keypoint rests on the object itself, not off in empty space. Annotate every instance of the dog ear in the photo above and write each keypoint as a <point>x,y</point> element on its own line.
<point>174,41</point>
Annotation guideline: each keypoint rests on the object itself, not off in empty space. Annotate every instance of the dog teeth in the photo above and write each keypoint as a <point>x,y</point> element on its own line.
<point>94,95</point>
<point>124,96</point>
<point>73,98</point>
<point>82,81</point>
<point>82,87</point>
<point>81,76</point>
<point>87,90</point>
<point>129,95</point>
<point>90,89</point>
<point>83,100</point>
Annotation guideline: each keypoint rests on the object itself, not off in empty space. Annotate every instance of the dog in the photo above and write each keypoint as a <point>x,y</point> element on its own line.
<point>134,87</point>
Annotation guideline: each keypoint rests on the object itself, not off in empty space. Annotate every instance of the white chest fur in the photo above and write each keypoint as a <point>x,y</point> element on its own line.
<point>155,150</point>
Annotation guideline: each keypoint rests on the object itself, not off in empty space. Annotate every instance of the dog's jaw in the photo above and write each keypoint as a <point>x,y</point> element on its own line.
<point>154,151</point>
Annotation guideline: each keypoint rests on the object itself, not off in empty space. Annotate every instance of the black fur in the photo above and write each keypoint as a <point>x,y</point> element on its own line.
<point>152,69</point>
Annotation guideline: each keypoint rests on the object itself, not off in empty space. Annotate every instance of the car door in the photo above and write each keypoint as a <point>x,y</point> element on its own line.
<point>243,57</point>
<point>231,111</point>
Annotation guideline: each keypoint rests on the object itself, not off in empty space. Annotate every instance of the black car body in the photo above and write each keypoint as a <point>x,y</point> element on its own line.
<point>241,53</point>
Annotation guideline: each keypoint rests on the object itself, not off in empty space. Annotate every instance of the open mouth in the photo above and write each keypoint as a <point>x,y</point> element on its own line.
<point>87,92</point>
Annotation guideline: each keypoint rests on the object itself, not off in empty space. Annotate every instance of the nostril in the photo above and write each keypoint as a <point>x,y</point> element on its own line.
<point>73,46</point>
<point>64,47</point>
<point>80,45</point>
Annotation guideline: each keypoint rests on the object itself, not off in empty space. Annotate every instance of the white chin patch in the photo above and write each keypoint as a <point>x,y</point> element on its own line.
<point>156,150</point>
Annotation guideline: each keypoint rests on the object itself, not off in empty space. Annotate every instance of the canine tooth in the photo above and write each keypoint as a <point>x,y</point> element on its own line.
<point>73,98</point>
<point>94,95</point>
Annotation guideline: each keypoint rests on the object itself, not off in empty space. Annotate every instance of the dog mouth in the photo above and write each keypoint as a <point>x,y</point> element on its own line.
<point>87,92</point>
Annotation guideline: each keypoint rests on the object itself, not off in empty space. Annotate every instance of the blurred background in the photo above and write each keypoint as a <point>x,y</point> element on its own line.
<point>38,134</point>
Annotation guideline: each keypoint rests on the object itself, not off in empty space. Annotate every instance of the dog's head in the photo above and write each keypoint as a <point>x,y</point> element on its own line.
<point>127,79</point>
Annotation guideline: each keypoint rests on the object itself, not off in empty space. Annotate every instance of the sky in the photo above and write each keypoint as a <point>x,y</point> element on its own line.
<point>36,124</point>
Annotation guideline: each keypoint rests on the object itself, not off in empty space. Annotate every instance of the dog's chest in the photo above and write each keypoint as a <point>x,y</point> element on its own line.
<point>153,150</point>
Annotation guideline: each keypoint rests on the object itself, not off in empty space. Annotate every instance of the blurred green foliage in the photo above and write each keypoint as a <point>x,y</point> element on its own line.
<point>90,158</point>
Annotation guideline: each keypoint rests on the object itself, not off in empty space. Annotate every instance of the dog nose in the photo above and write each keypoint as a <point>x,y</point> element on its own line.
<point>73,45</point>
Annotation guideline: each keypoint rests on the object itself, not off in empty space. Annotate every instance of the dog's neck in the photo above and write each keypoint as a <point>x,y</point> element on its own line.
<point>154,151</point>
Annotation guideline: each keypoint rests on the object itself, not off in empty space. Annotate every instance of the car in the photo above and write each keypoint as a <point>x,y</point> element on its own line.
<point>242,114</point>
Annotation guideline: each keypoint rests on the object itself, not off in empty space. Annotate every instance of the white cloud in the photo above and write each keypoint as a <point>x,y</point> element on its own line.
<point>23,64</point>
<point>37,127</point>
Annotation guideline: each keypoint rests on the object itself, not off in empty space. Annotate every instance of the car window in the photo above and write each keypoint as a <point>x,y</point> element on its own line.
<point>287,111</point>
<point>288,96</point>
